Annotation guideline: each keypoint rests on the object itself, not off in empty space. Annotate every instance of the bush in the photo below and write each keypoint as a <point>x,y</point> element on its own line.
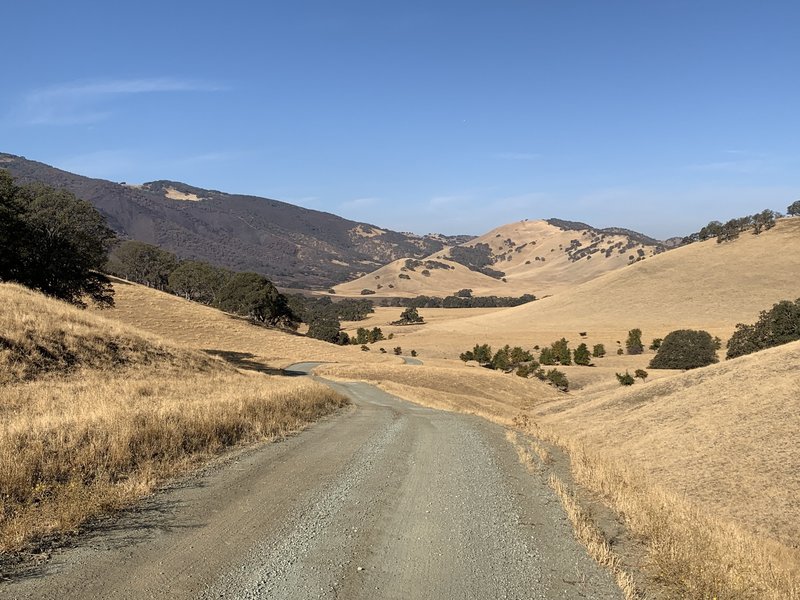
<point>620,351</point>
<point>640,374</point>
<point>414,353</point>
<point>599,351</point>
<point>581,355</point>
<point>398,350</point>
<point>366,292</point>
<point>626,379</point>
<point>408,317</point>
<point>776,326</point>
<point>634,342</point>
<point>383,350</point>
<point>656,343</point>
<point>364,348</point>
<point>558,379</point>
<point>685,349</point>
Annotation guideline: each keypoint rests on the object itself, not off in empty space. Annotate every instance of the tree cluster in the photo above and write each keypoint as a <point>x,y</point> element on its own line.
<point>460,301</point>
<point>516,359</point>
<point>776,326</point>
<point>686,349</point>
<point>731,229</point>
<point>53,242</point>
<point>409,316</point>
<point>476,258</point>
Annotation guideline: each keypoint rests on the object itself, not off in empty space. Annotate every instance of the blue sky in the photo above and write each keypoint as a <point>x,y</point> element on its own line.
<point>421,116</point>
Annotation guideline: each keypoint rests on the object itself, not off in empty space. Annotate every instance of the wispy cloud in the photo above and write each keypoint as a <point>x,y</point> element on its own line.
<point>84,102</point>
<point>359,203</point>
<point>516,156</point>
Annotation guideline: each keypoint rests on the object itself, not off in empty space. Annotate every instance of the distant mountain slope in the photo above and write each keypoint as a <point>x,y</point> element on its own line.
<point>294,246</point>
<point>526,257</point>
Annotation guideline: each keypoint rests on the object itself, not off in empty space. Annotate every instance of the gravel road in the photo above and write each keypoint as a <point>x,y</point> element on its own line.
<point>387,499</point>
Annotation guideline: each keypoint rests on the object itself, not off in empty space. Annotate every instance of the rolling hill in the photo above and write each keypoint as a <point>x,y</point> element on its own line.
<point>704,285</point>
<point>293,246</point>
<point>526,257</point>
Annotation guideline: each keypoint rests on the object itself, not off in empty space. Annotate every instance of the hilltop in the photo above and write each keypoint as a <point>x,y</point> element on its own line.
<point>526,257</point>
<point>293,246</point>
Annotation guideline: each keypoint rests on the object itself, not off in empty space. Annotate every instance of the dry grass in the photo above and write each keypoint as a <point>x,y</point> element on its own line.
<point>482,392</point>
<point>192,325</point>
<point>40,336</point>
<point>701,286</point>
<point>94,414</point>
<point>537,264</point>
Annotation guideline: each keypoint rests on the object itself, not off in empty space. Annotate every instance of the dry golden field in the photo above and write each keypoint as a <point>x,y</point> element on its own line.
<point>95,414</point>
<point>700,286</point>
<point>192,325</point>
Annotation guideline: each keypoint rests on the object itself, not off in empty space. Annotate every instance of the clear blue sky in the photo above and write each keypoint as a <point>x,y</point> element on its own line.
<point>451,116</point>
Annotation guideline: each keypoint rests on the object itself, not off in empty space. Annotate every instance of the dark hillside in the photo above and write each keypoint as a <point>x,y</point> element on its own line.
<point>291,245</point>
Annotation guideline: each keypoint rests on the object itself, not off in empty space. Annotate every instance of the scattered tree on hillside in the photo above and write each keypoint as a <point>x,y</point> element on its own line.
<point>634,343</point>
<point>254,296</point>
<point>656,343</point>
<point>398,350</point>
<point>142,263</point>
<point>626,379</point>
<point>599,351</point>
<point>558,379</point>
<point>776,326</point>
<point>481,353</point>
<point>53,242</point>
<point>685,349</point>
<point>561,351</point>
<point>793,209</point>
<point>198,281</point>
<point>408,317</point>
<point>328,329</point>
<point>547,357</point>
<point>581,355</point>
<point>640,374</point>
<point>414,353</point>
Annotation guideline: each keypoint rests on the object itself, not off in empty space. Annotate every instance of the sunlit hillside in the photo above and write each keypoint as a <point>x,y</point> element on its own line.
<point>197,326</point>
<point>704,285</point>
<point>536,258</point>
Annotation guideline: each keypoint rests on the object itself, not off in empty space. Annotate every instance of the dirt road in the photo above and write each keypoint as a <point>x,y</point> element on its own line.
<point>385,500</point>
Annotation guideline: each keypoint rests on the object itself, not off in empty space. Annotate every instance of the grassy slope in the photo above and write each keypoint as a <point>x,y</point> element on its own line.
<point>705,285</point>
<point>95,413</point>
<point>524,273</point>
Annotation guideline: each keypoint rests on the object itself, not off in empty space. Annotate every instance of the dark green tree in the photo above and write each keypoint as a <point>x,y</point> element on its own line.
<point>634,343</point>
<point>685,349</point>
<point>142,263</point>
<point>640,374</point>
<point>558,379</point>
<point>53,242</point>
<point>581,355</point>
<point>547,357</point>
<point>409,316</point>
<point>656,343</point>
<point>561,351</point>
<point>793,209</point>
<point>776,326</point>
<point>327,328</point>
<point>626,379</point>
<point>198,281</point>
<point>599,351</point>
<point>501,360</point>
<point>481,353</point>
<point>254,296</point>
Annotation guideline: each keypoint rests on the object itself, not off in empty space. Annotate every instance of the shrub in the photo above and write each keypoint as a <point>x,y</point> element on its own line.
<point>599,351</point>
<point>366,292</point>
<point>685,349</point>
<point>398,350</point>
<point>656,343</point>
<point>640,374</point>
<point>364,348</point>
<point>558,379</point>
<point>634,342</point>
<point>582,356</point>
<point>547,357</point>
<point>409,316</point>
<point>482,354</point>
<point>776,326</point>
<point>414,353</point>
<point>626,379</point>
<point>383,350</point>
<point>561,351</point>
<point>403,276</point>
<point>620,351</point>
